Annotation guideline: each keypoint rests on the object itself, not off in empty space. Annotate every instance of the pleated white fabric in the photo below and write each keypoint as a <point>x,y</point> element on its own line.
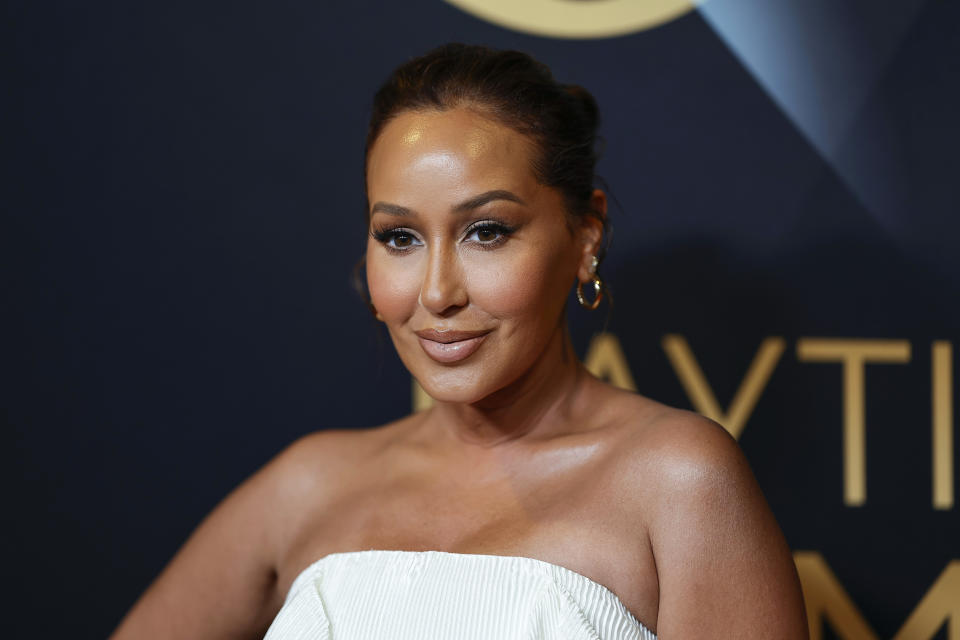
<point>425,595</point>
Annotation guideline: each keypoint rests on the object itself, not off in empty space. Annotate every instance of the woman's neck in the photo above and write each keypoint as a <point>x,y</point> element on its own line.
<point>537,404</point>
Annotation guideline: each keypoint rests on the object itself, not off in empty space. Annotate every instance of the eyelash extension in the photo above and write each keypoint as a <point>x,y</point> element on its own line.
<point>501,228</point>
<point>384,235</point>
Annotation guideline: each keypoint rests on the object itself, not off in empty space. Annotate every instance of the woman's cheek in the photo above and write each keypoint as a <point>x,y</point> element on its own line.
<point>394,285</point>
<point>511,285</point>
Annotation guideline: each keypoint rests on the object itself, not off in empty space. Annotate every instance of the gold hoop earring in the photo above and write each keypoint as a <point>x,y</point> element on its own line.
<point>597,287</point>
<point>597,294</point>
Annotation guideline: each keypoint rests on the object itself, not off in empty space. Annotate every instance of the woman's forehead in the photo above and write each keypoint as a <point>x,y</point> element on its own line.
<point>457,143</point>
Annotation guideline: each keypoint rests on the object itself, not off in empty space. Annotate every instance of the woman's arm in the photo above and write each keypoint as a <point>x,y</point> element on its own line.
<point>222,582</point>
<point>724,568</point>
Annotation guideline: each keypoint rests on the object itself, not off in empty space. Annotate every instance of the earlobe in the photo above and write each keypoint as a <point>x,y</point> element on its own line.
<point>589,262</point>
<point>596,221</point>
<point>590,269</point>
<point>591,247</point>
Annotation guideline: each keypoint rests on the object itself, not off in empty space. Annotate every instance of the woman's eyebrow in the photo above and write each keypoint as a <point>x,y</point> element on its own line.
<point>466,205</point>
<point>484,198</point>
<point>390,209</point>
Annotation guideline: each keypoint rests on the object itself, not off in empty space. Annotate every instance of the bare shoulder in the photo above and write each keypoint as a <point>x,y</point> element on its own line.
<point>687,452</point>
<point>222,581</point>
<point>314,457</point>
<point>723,566</point>
<point>673,459</point>
<point>671,449</point>
<point>317,463</point>
<point>690,472</point>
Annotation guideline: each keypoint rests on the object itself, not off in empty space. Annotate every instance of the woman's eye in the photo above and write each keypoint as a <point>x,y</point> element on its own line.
<point>488,234</point>
<point>395,239</point>
<point>401,240</point>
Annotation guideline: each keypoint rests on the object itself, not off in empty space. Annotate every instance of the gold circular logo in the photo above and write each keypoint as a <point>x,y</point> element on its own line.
<point>577,18</point>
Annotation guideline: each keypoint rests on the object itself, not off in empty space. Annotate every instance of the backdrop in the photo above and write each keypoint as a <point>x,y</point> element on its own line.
<point>184,210</point>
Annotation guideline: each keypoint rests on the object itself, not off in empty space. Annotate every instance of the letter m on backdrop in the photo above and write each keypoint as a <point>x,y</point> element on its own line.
<point>828,602</point>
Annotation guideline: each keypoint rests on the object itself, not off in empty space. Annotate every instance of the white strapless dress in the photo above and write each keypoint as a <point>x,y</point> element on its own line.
<point>435,595</point>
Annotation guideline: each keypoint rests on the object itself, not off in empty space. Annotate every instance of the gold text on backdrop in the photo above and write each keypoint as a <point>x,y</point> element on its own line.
<point>827,601</point>
<point>854,354</point>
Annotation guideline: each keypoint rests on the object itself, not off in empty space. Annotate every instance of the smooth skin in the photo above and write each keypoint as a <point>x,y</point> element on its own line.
<point>524,452</point>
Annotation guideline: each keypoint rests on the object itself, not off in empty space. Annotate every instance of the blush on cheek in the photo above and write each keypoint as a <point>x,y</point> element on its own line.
<point>529,285</point>
<point>394,289</point>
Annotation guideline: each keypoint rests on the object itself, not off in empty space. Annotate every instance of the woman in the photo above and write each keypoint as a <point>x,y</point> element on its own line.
<point>532,500</point>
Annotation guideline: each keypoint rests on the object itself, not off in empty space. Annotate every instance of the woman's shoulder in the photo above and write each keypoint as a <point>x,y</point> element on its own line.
<point>710,531</point>
<point>662,451</point>
<point>326,455</point>
<point>645,425</point>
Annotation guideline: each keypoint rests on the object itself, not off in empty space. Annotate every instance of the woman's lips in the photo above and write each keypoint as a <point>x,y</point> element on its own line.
<point>450,346</point>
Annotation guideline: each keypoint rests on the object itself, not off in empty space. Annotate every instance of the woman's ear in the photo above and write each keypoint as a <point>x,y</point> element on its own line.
<point>591,235</point>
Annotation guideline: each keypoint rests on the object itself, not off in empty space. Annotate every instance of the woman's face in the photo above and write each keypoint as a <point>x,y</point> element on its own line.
<point>470,259</point>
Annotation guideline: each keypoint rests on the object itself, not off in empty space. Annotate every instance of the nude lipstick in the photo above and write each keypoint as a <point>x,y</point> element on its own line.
<point>447,347</point>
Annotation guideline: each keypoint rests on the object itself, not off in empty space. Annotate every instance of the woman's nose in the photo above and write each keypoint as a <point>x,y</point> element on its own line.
<point>443,290</point>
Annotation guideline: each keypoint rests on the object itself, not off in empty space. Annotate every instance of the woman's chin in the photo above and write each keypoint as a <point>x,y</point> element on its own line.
<point>453,388</point>
<point>454,394</point>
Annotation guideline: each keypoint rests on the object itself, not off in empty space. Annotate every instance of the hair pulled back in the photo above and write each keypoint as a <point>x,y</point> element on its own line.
<point>513,89</point>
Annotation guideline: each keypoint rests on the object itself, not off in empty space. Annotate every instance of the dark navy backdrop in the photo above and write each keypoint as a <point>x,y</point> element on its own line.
<point>183,210</point>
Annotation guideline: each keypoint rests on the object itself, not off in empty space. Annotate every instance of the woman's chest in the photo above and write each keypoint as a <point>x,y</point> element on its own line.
<point>562,519</point>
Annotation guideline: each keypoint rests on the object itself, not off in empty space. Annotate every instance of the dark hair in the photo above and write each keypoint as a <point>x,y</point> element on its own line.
<point>513,89</point>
